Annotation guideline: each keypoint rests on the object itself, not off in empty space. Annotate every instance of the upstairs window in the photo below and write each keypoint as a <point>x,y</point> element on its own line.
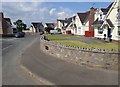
<point>100,16</point>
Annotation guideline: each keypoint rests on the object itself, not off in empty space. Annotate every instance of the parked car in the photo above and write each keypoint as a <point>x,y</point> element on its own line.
<point>20,34</point>
<point>53,31</point>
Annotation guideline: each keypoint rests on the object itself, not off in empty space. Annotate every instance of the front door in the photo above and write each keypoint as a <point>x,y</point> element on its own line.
<point>109,32</point>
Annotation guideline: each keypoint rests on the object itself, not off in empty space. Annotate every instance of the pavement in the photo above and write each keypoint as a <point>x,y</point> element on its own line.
<point>51,70</point>
<point>12,73</point>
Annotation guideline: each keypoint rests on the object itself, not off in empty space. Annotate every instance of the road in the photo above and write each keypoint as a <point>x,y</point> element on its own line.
<point>12,74</point>
<point>53,70</point>
<point>59,72</point>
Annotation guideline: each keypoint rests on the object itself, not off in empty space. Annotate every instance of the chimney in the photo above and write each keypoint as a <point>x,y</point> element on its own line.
<point>91,19</point>
<point>1,15</point>
<point>66,19</point>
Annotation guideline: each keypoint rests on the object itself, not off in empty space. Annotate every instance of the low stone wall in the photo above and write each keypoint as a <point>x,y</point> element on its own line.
<point>93,57</point>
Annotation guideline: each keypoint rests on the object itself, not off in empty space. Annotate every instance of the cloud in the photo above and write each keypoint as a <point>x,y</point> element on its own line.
<point>52,11</point>
<point>61,14</point>
<point>34,11</point>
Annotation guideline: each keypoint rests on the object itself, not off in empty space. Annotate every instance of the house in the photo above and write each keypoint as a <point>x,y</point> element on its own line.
<point>70,25</point>
<point>50,25</point>
<point>81,22</point>
<point>95,14</point>
<point>89,29</point>
<point>100,13</point>
<point>6,27</point>
<point>61,24</point>
<point>109,27</point>
<point>36,27</point>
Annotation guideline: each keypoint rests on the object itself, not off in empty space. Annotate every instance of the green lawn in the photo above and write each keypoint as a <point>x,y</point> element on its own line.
<point>52,37</point>
<point>56,39</point>
<point>82,44</point>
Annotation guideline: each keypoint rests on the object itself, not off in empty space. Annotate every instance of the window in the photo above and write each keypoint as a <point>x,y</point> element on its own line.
<point>118,30</point>
<point>79,27</point>
<point>100,31</point>
<point>100,16</point>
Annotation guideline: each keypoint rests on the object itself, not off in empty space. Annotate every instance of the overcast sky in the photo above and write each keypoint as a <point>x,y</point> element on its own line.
<point>45,11</point>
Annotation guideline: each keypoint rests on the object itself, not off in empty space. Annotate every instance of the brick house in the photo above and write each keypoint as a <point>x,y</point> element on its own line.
<point>6,27</point>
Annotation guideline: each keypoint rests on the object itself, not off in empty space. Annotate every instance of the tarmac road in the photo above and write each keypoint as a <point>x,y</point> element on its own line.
<point>12,74</point>
<point>59,72</point>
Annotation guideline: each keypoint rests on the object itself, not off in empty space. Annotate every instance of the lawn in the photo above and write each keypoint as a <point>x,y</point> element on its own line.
<point>59,39</point>
<point>82,44</point>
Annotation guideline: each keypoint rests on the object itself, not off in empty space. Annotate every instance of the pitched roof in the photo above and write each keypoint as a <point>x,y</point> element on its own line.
<point>110,5</point>
<point>37,24</point>
<point>50,24</point>
<point>69,20</point>
<point>8,20</point>
<point>104,10</point>
<point>83,16</point>
<point>97,22</point>
<point>109,22</point>
<point>63,21</point>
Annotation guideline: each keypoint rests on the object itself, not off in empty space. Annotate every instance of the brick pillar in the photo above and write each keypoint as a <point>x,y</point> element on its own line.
<point>91,20</point>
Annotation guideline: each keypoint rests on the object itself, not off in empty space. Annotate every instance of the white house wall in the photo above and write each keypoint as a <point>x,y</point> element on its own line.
<point>86,26</point>
<point>79,25</point>
<point>97,15</point>
<point>112,17</point>
<point>70,28</point>
<point>97,35</point>
<point>32,29</point>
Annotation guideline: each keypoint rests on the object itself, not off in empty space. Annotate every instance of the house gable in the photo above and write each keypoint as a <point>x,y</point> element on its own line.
<point>84,16</point>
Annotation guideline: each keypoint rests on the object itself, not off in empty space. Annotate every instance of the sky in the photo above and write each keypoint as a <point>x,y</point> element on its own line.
<point>46,11</point>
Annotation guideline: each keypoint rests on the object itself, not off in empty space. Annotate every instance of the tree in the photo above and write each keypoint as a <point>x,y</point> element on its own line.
<point>24,27</point>
<point>20,25</point>
<point>47,29</point>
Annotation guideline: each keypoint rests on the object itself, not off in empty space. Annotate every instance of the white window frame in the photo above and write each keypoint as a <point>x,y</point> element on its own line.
<point>100,31</point>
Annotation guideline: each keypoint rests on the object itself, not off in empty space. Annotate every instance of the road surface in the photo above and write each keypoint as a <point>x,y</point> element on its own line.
<point>59,72</point>
<point>12,74</point>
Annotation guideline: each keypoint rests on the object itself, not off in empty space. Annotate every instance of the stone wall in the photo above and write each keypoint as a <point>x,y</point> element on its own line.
<point>93,57</point>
